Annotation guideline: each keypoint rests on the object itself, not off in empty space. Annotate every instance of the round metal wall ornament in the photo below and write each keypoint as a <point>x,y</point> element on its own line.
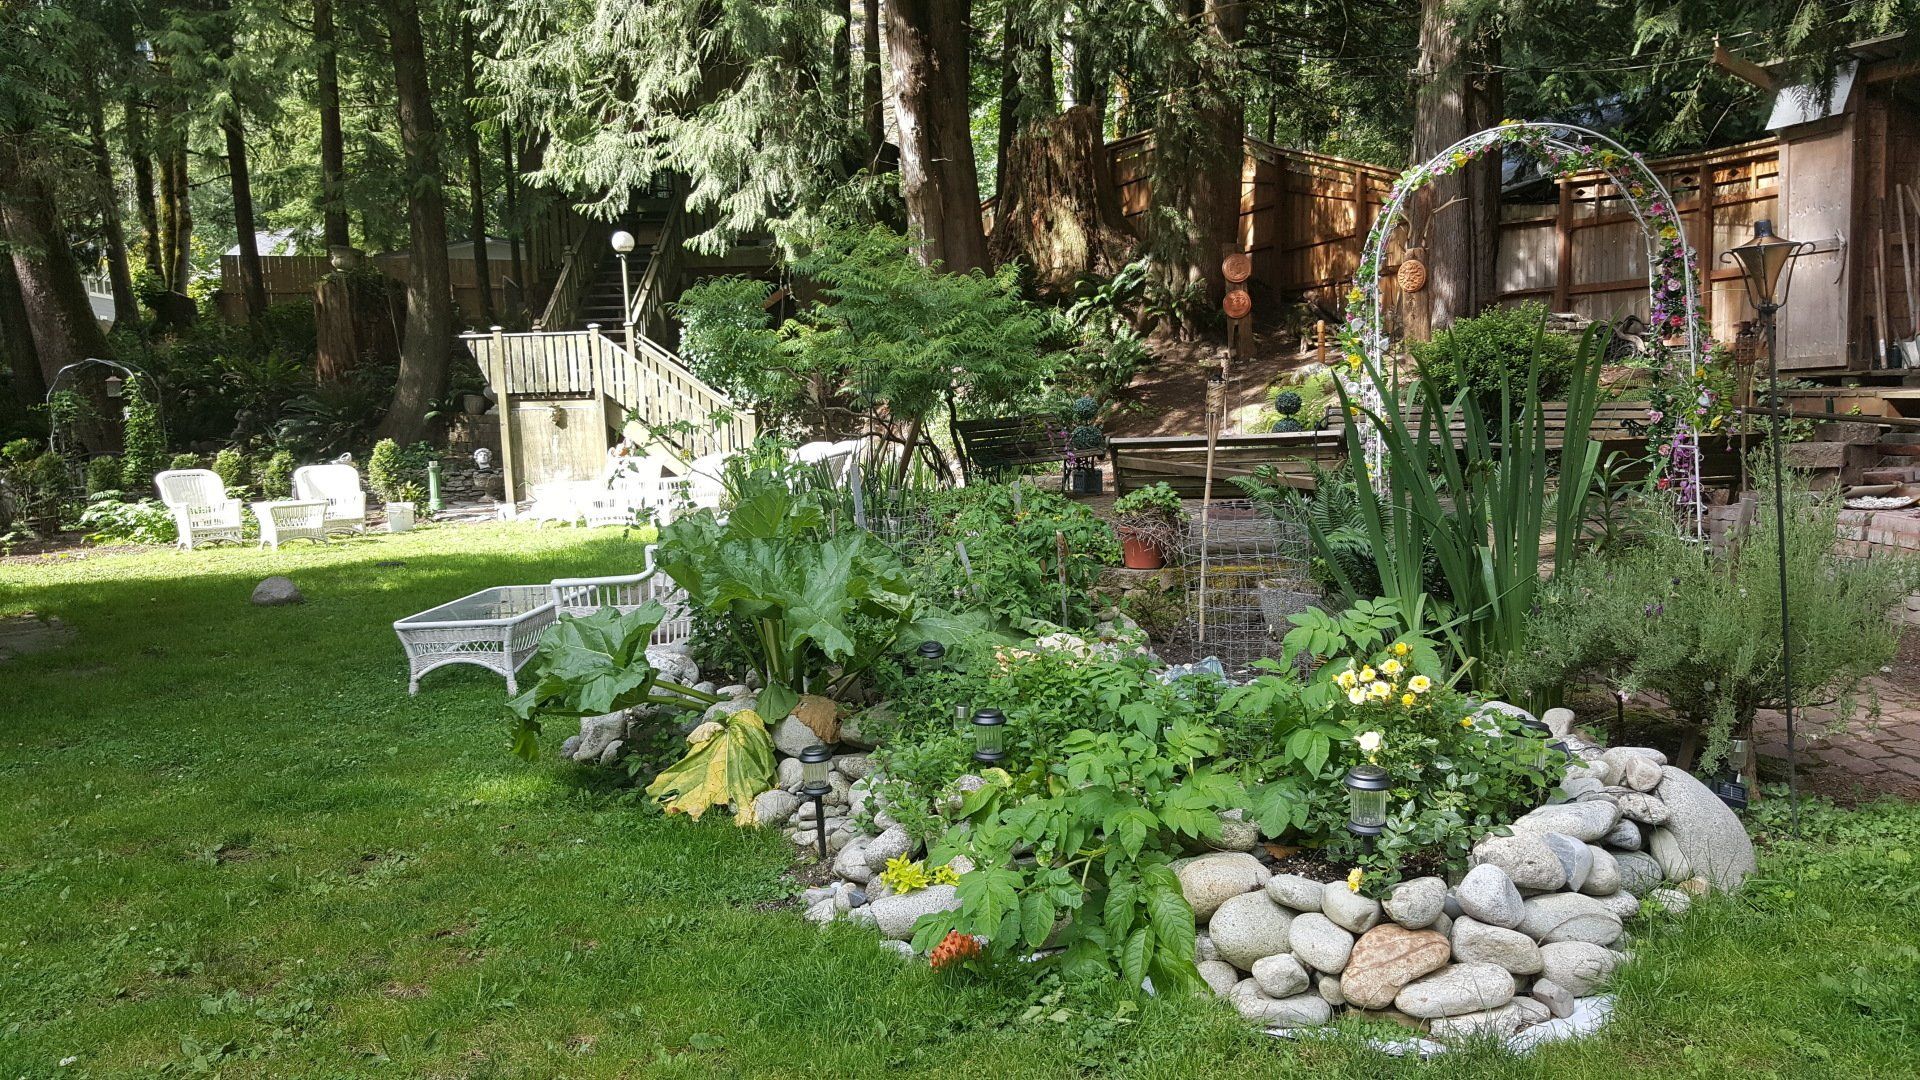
<point>1237,304</point>
<point>1237,267</point>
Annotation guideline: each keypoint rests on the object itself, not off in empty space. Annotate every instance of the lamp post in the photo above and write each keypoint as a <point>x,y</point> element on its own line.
<point>989,736</point>
<point>623,246</point>
<point>1367,802</point>
<point>1765,263</point>
<point>814,785</point>
<point>929,656</point>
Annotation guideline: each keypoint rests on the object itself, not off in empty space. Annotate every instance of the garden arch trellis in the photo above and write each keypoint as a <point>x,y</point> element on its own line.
<point>1672,285</point>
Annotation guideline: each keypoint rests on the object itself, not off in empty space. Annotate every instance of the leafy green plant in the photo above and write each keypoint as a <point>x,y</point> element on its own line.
<point>1102,832</point>
<point>591,665</point>
<point>1703,631</point>
<point>145,443</point>
<point>1343,550</point>
<point>904,874</point>
<point>1496,355</point>
<point>814,611</point>
<point>108,519</point>
<point>1474,512</point>
<point>233,469</point>
<point>1012,565</point>
<point>184,461</point>
<point>1155,502</point>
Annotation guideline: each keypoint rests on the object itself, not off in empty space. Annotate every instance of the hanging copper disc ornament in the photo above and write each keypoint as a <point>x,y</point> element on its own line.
<point>1237,304</point>
<point>1412,276</point>
<point>1237,267</point>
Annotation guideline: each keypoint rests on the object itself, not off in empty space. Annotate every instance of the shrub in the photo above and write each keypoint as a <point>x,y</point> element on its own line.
<point>396,474</point>
<point>1158,502</point>
<point>1286,402</point>
<point>184,461</point>
<point>103,474</point>
<point>145,447</point>
<point>230,465</point>
<point>274,476</point>
<point>1703,631</point>
<point>1482,355</point>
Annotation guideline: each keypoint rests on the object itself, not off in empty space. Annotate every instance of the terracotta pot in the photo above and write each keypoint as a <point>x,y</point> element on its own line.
<point>1139,552</point>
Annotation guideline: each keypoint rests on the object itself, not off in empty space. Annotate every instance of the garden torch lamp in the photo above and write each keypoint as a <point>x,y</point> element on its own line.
<point>1366,802</point>
<point>989,736</point>
<point>1766,263</point>
<point>814,785</point>
<point>929,656</point>
<point>623,247</point>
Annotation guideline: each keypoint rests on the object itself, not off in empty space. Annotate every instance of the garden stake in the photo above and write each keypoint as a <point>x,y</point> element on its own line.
<point>1060,550</point>
<point>1216,397</point>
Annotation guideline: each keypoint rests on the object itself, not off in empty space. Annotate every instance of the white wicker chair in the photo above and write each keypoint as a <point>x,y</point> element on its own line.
<point>201,510</point>
<point>584,596</point>
<point>337,485</point>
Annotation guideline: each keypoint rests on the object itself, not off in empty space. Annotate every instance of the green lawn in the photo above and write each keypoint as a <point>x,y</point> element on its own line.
<point>230,842</point>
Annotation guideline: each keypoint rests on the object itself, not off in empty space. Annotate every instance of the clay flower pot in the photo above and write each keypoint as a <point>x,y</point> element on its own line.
<point>1138,551</point>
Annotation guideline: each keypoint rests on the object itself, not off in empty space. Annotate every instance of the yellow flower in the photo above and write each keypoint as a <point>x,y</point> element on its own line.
<point>1401,648</point>
<point>1353,879</point>
<point>1357,696</point>
<point>1344,680</point>
<point>1419,684</point>
<point>1466,721</point>
<point>1353,410</point>
<point>1367,674</point>
<point>1380,691</point>
<point>1408,700</point>
<point>1354,362</point>
<point>1354,295</point>
<point>1391,667</point>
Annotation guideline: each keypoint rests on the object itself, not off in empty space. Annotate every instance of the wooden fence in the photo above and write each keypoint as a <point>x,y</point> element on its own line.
<point>1582,251</point>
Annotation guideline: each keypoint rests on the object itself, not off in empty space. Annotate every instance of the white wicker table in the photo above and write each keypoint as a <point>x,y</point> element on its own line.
<point>497,629</point>
<point>291,519</point>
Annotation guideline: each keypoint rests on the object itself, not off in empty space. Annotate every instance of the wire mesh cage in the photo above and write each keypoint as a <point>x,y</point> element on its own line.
<point>1244,571</point>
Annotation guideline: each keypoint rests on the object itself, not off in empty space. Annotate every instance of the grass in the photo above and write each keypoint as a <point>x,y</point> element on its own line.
<point>231,843</point>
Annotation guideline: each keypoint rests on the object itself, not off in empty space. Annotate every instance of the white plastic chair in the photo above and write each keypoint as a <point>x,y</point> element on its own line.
<point>201,510</point>
<point>338,486</point>
<point>625,592</point>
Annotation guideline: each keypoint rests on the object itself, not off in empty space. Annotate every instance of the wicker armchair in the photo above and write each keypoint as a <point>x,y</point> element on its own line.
<point>337,485</point>
<point>201,511</point>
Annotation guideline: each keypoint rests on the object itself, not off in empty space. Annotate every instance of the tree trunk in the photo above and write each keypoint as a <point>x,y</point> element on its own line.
<point>927,42</point>
<point>1059,211</point>
<point>476,179</point>
<point>1453,228</point>
<point>1486,107</point>
<point>125,307</point>
<point>1198,154</point>
<point>253,281</point>
<point>333,147</point>
<point>510,190</point>
<point>140,152</point>
<point>176,214</point>
<point>873,105</point>
<point>429,328</point>
<point>843,61</point>
<point>16,340</point>
<point>58,313</point>
<point>1020,104</point>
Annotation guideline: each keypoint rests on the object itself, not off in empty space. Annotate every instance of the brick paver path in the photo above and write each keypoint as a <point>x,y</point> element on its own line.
<point>1865,758</point>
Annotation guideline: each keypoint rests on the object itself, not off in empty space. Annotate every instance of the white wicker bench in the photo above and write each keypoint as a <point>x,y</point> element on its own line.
<point>497,629</point>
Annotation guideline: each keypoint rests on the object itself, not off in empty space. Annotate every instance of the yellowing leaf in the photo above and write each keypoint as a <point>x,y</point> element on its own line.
<point>730,768</point>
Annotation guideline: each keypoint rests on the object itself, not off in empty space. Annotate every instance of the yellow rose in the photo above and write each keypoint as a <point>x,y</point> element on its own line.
<point>1357,696</point>
<point>1380,691</point>
<point>1391,667</point>
<point>1354,877</point>
<point>1401,648</point>
<point>1367,674</point>
<point>1344,680</point>
<point>1408,700</point>
<point>1419,684</point>
<point>1466,721</point>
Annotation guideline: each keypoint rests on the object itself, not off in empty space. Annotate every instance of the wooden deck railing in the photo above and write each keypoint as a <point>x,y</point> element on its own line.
<point>576,275</point>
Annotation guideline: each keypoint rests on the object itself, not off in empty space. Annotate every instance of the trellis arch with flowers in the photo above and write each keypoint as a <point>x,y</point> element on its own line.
<point>1679,331</point>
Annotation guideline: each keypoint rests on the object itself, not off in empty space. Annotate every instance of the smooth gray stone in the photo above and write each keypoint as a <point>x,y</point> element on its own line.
<point>1248,927</point>
<point>1488,894</point>
<point>1478,942</point>
<point>1712,839</point>
<point>1455,991</point>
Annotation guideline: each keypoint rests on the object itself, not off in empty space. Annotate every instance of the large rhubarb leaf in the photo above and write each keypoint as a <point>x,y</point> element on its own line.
<point>731,762</point>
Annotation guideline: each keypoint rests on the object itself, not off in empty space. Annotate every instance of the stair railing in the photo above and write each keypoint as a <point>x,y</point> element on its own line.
<point>576,276</point>
<point>662,274</point>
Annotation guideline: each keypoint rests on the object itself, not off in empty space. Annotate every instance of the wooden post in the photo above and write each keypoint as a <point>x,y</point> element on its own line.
<point>1705,246</point>
<point>1563,237</point>
<point>1216,398</point>
<point>502,389</point>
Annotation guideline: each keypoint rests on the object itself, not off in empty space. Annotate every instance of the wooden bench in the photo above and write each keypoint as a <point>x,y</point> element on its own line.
<point>992,446</point>
<point>1181,460</point>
